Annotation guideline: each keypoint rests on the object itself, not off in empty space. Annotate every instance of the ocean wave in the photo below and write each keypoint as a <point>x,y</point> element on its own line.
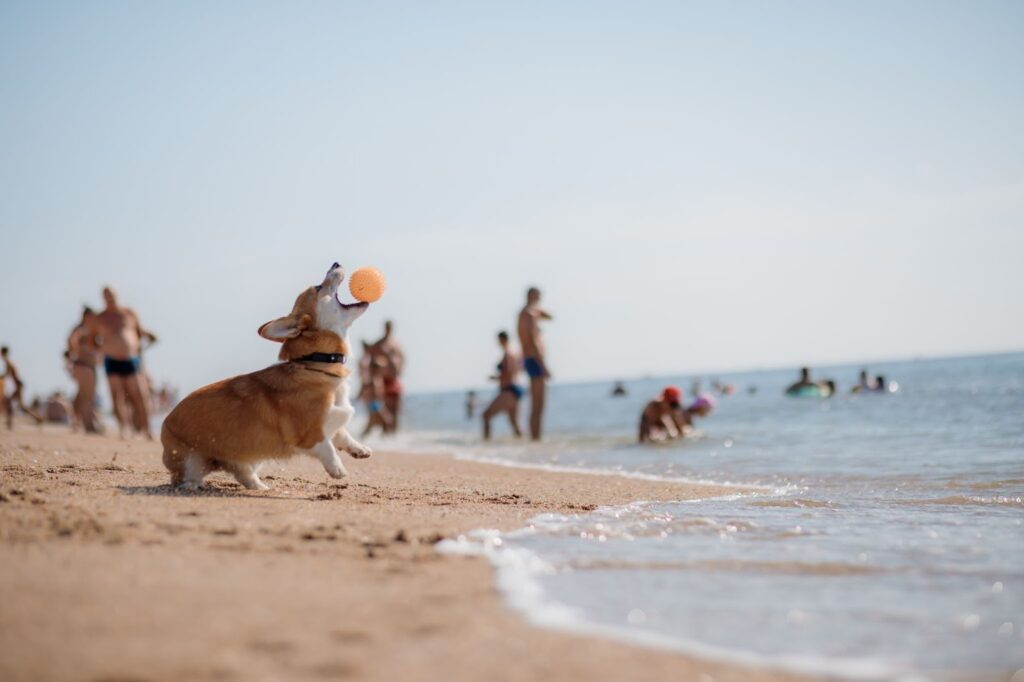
<point>518,577</point>
<point>968,500</point>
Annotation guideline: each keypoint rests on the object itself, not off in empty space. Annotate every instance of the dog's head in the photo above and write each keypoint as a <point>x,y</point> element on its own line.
<point>317,309</point>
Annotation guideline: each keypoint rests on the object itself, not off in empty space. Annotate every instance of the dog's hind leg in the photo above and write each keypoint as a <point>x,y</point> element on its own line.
<point>174,460</point>
<point>195,469</point>
<point>246,474</point>
<point>175,452</point>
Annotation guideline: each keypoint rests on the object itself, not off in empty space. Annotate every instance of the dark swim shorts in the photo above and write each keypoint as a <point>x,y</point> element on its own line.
<point>533,368</point>
<point>121,368</point>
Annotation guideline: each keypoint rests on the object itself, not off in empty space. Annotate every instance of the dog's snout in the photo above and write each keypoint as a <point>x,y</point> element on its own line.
<point>335,266</point>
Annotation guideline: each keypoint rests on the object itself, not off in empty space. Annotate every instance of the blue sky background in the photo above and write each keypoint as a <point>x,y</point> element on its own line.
<point>695,186</point>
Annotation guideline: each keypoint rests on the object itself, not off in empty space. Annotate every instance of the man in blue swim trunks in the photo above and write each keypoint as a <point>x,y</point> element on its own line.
<point>533,357</point>
<point>120,336</point>
<point>509,392</point>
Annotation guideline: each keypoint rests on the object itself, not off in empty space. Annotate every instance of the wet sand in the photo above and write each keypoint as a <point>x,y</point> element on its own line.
<point>107,574</point>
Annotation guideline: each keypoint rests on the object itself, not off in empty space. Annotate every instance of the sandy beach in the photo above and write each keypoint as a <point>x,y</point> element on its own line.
<point>107,574</point>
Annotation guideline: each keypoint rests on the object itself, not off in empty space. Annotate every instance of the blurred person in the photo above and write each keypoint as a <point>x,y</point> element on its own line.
<point>57,409</point>
<point>702,406</point>
<point>803,384</point>
<point>389,363</point>
<point>15,398</point>
<point>371,391</point>
<point>121,335</point>
<point>664,417</point>
<point>865,383</point>
<point>470,404</point>
<point>509,392</point>
<point>83,355</point>
<point>619,390</point>
<point>533,357</point>
<point>805,387</point>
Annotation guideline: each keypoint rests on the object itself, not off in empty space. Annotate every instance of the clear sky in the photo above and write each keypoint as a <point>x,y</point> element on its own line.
<point>694,186</point>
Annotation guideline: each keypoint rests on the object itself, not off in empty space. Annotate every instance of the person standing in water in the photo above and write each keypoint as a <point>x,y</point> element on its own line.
<point>533,357</point>
<point>509,392</point>
<point>121,336</point>
<point>84,354</point>
<point>7,403</point>
<point>664,417</point>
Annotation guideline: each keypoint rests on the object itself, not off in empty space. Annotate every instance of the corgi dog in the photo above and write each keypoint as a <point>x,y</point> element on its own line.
<point>300,405</point>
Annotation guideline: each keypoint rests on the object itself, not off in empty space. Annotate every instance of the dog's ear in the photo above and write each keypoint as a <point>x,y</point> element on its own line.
<point>284,328</point>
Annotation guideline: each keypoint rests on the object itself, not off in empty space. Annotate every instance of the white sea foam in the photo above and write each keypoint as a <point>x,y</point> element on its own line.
<point>519,571</point>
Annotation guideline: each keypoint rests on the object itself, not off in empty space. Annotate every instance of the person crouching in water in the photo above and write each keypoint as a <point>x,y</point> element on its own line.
<point>664,417</point>
<point>509,392</point>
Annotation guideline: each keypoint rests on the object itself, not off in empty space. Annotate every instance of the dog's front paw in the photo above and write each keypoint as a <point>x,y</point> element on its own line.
<point>359,451</point>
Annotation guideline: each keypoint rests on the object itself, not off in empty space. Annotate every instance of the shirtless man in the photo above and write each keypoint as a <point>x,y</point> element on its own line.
<point>664,417</point>
<point>387,350</point>
<point>84,354</point>
<point>509,392</point>
<point>121,337</point>
<point>533,357</point>
<point>8,402</point>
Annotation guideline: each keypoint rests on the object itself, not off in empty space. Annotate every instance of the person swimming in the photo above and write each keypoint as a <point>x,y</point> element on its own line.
<point>823,388</point>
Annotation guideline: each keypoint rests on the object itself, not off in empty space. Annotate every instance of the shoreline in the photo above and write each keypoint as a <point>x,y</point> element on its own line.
<point>105,572</point>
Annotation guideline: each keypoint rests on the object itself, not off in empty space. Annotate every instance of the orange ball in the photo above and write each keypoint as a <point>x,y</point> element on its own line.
<point>367,284</point>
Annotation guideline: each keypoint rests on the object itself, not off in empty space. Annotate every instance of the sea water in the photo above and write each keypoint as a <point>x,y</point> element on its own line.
<point>871,535</point>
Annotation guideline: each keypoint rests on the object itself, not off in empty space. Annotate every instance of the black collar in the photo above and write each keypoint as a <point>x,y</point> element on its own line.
<point>337,358</point>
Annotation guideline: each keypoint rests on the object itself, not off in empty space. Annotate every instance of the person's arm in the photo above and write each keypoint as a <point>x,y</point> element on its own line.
<point>681,420</point>
<point>74,338</point>
<point>144,334</point>
<point>669,422</point>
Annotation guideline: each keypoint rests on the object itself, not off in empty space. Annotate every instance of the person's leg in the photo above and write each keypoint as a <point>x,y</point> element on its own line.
<point>371,420</point>
<point>499,404</point>
<point>6,408</point>
<point>78,403</point>
<point>90,419</point>
<point>394,405</point>
<point>513,416</point>
<point>119,400</point>
<point>537,388</point>
<point>25,408</point>
<point>134,387</point>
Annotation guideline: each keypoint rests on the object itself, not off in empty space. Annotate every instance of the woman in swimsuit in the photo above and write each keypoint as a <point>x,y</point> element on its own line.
<point>509,391</point>
<point>83,353</point>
